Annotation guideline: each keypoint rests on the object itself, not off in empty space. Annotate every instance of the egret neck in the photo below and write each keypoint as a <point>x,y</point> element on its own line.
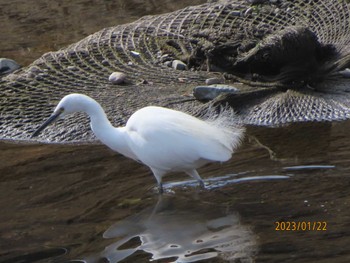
<point>115,138</point>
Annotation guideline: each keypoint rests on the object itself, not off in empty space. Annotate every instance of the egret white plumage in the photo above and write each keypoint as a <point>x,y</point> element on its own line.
<point>163,139</point>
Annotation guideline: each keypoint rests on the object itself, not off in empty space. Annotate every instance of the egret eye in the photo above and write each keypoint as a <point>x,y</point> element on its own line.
<point>61,114</point>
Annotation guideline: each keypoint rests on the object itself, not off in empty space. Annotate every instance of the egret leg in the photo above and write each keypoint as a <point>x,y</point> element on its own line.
<point>158,175</point>
<point>194,174</point>
<point>160,188</point>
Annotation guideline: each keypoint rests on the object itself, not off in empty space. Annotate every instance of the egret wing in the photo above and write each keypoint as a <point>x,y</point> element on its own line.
<point>168,138</point>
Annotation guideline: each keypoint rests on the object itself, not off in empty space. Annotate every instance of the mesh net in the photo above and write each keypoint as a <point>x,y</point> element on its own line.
<point>140,49</point>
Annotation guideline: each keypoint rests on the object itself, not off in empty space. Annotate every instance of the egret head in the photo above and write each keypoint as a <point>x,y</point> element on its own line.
<point>69,104</point>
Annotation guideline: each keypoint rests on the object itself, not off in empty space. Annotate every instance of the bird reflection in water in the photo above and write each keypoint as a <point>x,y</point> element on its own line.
<point>181,231</point>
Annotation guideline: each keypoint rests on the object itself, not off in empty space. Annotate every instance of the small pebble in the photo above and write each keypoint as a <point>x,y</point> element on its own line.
<point>159,53</point>
<point>248,11</point>
<point>72,68</point>
<point>168,63</point>
<point>179,65</point>
<point>8,65</point>
<point>84,53</point>
<point>212,91</point>
<point>164,57</point>
<point>117,78</point>
<point>35,70</point>
<point>345,73</point>
<point>38,78</point>
<point>236,13</point>
<point>134,53</point>
<point>212,81</point>
<point>182,80</point>
<point>105,62</point>
<point>43,75</point>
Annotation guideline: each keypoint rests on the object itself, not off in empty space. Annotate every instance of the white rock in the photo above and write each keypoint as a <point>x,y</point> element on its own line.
<point>72,68</point>
<point>179,65</point>
<point>134,53</point>
<point>117,77</point>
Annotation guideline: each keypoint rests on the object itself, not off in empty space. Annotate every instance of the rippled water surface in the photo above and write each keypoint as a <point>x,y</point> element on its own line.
<point>88,203</point>
<point>85,203</point>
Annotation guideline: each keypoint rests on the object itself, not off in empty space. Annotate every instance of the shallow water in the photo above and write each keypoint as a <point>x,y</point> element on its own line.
<point>84,203</point>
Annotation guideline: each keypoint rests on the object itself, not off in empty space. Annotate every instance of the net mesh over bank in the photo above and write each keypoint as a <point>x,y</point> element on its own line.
<point>212,37</point>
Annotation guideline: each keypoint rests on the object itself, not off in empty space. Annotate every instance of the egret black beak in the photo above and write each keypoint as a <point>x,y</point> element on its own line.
<point>51,119</point>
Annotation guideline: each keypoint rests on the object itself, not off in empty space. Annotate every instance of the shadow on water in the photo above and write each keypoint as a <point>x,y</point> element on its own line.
<point>73,203</point>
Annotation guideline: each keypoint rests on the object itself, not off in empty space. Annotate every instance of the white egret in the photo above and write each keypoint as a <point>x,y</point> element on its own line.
<point>163,139</point>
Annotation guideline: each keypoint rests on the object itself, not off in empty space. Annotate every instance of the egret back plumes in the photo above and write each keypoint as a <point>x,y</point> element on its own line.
<point>226,120</point>
<point>191,138</point>
<point>165,140</point>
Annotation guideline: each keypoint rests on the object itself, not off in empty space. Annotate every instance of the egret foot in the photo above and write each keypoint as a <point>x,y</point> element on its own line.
<point>160,188</point>
<point>201,184</point>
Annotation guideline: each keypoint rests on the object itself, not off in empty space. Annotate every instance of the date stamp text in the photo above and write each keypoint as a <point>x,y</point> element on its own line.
<point>301,226</point>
